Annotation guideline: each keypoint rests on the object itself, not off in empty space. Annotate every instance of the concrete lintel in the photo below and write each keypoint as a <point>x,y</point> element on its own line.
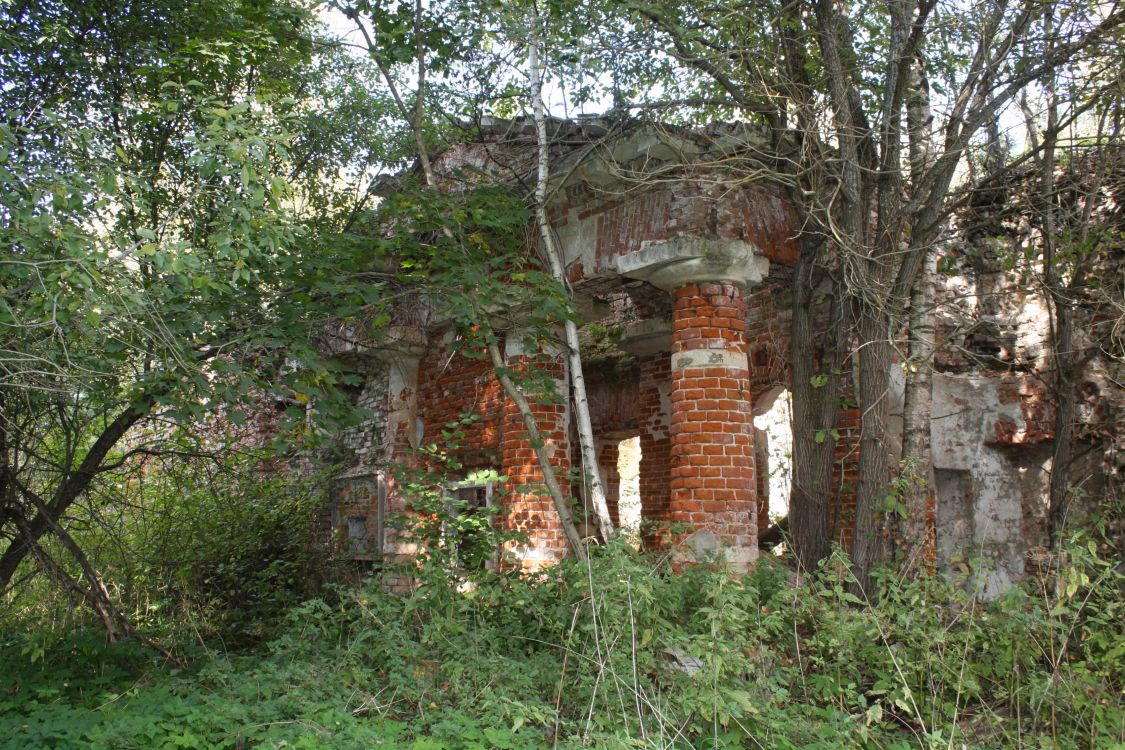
<point>669,264</point>
<point>400,342</point>
<point>646,337</point>
<point>515,346</point>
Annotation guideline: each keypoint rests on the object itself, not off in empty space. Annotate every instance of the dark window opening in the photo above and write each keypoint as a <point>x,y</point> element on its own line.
<point>468,530</point>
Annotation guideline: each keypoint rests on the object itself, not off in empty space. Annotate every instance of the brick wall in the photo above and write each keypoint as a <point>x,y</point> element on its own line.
<point>654,423</point>
<point>530,511</point>
<point>451,386</point>
<point>607,460</point>
<point>767,341</point>
<point>704,206</point>
<point>612,391</point>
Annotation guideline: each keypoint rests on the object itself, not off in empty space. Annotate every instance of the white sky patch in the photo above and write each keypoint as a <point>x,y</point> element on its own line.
<point>777,424</point>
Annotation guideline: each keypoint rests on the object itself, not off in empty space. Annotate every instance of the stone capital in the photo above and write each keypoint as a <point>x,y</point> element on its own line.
<point>669,264</point>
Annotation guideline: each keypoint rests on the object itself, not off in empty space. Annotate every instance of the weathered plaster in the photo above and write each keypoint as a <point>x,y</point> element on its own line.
<point>982,487</point>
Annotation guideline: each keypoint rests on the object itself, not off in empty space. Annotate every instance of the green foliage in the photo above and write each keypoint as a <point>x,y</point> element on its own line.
<point>228,548</point>
<point>620,653</point>
<point>178,182</point>
<point>151,207</point>
<point>219,545</point>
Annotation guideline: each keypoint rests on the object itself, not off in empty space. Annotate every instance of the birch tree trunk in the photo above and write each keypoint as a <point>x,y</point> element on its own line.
<point>915,537</point>
<point>590,465</point>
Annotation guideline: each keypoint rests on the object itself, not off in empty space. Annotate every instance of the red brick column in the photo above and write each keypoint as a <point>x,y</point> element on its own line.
<point>528,507</point>
<point>712,430</point>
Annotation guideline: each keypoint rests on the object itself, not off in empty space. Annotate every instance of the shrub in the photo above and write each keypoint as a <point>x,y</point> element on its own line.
<point>624,652</point>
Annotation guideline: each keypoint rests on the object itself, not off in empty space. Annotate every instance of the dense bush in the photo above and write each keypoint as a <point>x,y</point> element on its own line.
<point>221,545</point>
<point>240,548</point>
<point>621,652</point>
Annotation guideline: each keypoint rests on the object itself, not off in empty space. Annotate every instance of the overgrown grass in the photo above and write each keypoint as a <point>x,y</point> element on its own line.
<point>619,653</point>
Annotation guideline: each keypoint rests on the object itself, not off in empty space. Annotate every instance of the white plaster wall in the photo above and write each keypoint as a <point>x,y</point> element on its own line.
<point>983,489</point>
<point>989,497</point>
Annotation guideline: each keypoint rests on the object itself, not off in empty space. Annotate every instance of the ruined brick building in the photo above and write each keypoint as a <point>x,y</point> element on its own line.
<point>681,267</point>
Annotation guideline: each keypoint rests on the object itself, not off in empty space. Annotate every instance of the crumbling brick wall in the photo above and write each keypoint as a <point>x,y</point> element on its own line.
<point>461,393</point>
<point>993,405</point>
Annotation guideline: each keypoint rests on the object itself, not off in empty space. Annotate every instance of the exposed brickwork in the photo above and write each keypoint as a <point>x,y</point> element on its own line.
<point>607,460</point>
<point>623,226</point>
<point>712,432</point>
<point>451,386</point>
<point>654,420</point>
<point>529,510</point>
<point>1037,409</point>
<point>759,215</point>
<point>365,441</point>
<point>929,550</point>
<point>612,393</point>
<point>767,341</point>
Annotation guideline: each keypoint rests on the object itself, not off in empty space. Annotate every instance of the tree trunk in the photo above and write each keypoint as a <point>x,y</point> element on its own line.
<point>815,411</point>
<point>95,593</point>
<point>1063,453</point>
<point>915,538</point>
<point>874,361</point>
<point>1062,329</point>
<point>70,488</point>
<point>591,468</point>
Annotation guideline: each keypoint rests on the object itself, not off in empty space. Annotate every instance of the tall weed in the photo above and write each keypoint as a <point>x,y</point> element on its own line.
<point>624,651</point>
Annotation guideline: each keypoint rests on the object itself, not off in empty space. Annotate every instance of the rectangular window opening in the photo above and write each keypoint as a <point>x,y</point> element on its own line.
<point>469,531</point>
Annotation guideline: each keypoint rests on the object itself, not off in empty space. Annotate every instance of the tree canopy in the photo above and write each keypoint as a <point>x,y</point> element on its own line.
<point>172,176</point>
